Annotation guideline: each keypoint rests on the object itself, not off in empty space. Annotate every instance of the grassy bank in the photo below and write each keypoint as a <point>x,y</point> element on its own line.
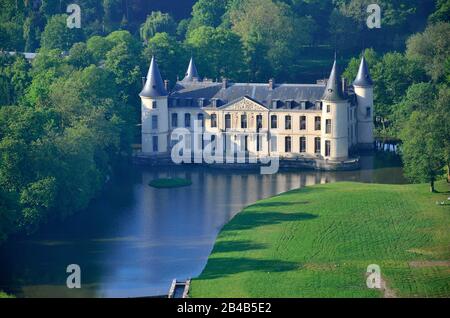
<point>318,241</point>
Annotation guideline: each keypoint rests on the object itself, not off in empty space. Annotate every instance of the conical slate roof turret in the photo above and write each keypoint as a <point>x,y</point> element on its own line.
<point>154,86</point>
<point>333,92</point>
<point>363,78</point>
<point>191,72</point>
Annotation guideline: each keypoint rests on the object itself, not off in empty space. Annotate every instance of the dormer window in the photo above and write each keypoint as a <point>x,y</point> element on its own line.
<point>289,104</point>
<point>154,104</point>
<point>318,105</point>
<point>303,104</point>
<point>275,103</point>
<point>215,102</point>
<point>201,102</point>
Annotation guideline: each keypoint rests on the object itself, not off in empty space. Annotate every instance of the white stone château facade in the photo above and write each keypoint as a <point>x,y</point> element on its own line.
<point>322,121</point>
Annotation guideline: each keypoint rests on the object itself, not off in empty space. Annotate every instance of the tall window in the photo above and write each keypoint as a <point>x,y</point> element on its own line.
<point>317,123</point>
<point>243,121</point>
<point>187,120</point>
<point>201,119</point>
<point>368,112</point>
<point>213,145</point>
<point>258,142</point>
<point>154,104</point>
<point>154,122</point>
<point>174,120</point>
<point>273,122</point>
<point>213,120</point>
<point>287,122</point>
<point>287,144</point>
<point>302,122</point>
<point>246,143</point>
<point>227,121</point>
<point>258,121</point>
<point>327,148</point>
<point>302,144</point>
<point>155,143</point>
<point>328,126</point>
<point>317,145</point>
<point>273,143</point>
<point>328,108</point>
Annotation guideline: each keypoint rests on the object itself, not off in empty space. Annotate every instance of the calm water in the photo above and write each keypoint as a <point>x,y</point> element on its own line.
<point>134,239</point>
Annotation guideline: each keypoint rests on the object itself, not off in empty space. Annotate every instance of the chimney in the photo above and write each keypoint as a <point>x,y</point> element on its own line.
<point>271,84</point>
<point>143,81</point>
<point>344,85</point>
<point>166,85</point>
<point>224,83</point>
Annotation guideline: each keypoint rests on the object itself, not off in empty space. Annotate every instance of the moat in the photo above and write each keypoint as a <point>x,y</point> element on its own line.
<point>134,239</point>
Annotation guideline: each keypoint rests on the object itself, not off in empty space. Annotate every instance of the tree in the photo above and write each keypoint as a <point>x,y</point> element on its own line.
<point>419,97</point>
<point>10,37</point>
<point>348,25</point>
<point>79,56</point>
<point>218,52</point>
<point>32,29</point>
<point>126,38</point>
<point>442,116</point>
<point>422,155</point>
<point>36,199</point>
<point>57,35</point>
<point>442,13</point>
<point>157,22</point>
<point>272,36</point>
<point>171,56</point>
<point>98,47</point>
<point>393,75</point>
<point>112,13</point>
<point>14,78</point>
<point>208,13</point>
<point>125,65</point>
<point>431,49</point>
<point>182,29</point>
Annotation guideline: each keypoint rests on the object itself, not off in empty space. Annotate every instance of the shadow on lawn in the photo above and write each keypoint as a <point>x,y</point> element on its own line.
<point>275,204</point>
<point>221,267</point>
<point>236,246</point>
<point>248,220</point>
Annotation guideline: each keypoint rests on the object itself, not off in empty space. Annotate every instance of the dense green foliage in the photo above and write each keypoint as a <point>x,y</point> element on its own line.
<point>67,117</point>
<point>318,241</point>
<point>63,125</point>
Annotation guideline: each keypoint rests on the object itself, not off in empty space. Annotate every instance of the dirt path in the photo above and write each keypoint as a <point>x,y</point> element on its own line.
<point>387,292</point>
<point>429,264</point>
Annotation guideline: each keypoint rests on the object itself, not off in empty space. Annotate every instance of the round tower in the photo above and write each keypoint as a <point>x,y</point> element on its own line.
<point>334,130</point>
<point>363,86</point>
<point>154,113</point>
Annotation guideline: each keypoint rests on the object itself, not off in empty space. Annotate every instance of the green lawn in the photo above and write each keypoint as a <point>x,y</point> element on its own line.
<point>318,241</point>
<point>170,183</point>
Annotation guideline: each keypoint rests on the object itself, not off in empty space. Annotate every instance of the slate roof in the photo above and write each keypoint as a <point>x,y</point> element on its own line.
<point>191,72</point>
<point>363,78</point>
<point>285,95</point>
<point>154,86</point>
<point>333,91</point>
